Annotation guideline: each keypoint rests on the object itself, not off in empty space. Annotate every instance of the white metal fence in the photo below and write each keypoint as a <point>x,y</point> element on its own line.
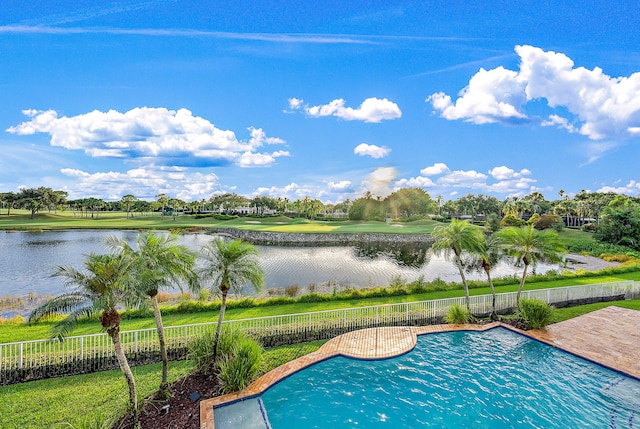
<point>21,361</point>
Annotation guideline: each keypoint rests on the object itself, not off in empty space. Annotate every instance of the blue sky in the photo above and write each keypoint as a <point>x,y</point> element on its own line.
<point>321,99</point>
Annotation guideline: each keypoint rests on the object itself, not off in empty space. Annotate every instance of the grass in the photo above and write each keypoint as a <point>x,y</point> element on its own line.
<point>20,220</point>
<point>51,403</point>
<point>20,332</point>
<point>563,314</point>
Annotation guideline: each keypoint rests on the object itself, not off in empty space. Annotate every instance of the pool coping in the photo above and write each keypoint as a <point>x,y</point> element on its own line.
<point>575,336</point>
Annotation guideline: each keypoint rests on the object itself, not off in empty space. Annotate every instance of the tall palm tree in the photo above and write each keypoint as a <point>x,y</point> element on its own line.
<point>158,263</point>
<point>528,245</point>
<point>490,256</point>
<point>228,266</point>
<point>100,288</point>
<point>457,237</point>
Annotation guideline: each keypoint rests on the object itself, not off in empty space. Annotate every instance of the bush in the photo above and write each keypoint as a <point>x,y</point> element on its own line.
<point>238,369</point>
<point>511,220</point>
<point>616,258</point>
<point>457,314</point>
<point>292,290</point>
<point>546,221</point>
<point>201,352</point>
<point>590,227</point>
<point>535,313</point>
<point>493,222</point>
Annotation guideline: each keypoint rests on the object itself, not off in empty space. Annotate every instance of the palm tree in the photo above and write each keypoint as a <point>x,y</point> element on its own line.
<point>491,255</point>
<point>528,245</point>
<point>158,263</point>
<point>457,237</point>
<point>100,288</point>
<point>228,266</point>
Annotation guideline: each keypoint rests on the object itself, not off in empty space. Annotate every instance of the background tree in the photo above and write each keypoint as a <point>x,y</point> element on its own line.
<point>101,288</point>
<point>128,201</point>
<point>228,266</point>
<point>8,199</point>
<point>529,246</point>
<point>457,237</point>
<point>162,200</point>
<point>620,223</point>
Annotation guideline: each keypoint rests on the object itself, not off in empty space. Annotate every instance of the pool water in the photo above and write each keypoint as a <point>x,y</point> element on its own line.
<point>492,379</point>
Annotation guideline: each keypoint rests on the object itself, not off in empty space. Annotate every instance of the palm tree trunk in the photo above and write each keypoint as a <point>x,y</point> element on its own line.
<point>163,346</point>
<point>126,370</point>
<point>223,306</point>
<point>521,286</point>
<point>493,294</point>
<point>464,283</point>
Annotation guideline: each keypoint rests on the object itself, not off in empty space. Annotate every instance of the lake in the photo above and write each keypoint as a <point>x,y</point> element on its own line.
<point>29,258</point>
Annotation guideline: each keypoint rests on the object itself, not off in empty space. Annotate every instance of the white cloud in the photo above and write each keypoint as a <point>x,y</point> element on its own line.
<point>503,173</point>
<point>414,182</point>
<point>172,137</point>
<point>371,110</point>
<point>631,188</point>
<point>144,183</point>
<point>492,96</point>
<point>342,186</point>
<point>595,150</point>
<point>601,106</point>
<point>371,150</point>
<point>292,191</point>
<point>435,169</point>
<point>467,179</point>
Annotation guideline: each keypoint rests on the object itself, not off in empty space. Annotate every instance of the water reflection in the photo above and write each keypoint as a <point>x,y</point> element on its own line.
<point>28,259</point>
<point>404,254</point>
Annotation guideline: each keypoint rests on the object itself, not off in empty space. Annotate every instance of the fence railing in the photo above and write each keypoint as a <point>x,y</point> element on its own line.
<point>21,361</point>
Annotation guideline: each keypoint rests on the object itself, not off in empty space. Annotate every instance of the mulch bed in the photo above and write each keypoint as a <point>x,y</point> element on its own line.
<point>184,405</point>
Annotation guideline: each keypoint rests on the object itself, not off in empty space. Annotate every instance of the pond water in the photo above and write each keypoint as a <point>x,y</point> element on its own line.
<point>29,258</point>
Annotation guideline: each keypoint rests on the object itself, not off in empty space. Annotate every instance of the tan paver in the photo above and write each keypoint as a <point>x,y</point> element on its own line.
<point>610,336</point>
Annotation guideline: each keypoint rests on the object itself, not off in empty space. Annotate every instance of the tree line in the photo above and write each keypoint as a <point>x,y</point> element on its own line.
<point>614,218</point>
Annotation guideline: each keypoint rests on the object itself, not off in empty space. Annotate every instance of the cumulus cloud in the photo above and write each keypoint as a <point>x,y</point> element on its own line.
<point>503,173</point>
<point>435,169</point>
<point>631,188</point>
<point>342,186</point>
<point>291,191</point>
<point>371,150</point>
<point>439,178</point>
<point>371,110</point>
<point>170,137</point>
<point>600,106</point>
<point>144,183</point>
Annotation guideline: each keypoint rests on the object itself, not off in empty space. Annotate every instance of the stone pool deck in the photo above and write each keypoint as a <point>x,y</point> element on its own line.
<point>610,337</point>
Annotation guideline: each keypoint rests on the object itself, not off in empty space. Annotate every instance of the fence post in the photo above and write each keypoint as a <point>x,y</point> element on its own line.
<point>20,356</point>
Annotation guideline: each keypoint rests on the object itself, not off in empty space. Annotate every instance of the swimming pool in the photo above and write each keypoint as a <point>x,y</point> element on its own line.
<point>491,379</point>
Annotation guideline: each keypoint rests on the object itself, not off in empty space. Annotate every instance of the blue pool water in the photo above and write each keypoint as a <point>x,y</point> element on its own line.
<point>492,379</point>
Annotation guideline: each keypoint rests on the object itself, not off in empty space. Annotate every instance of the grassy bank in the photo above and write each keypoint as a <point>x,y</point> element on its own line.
<point>20,220</point>
<point>58,402</point>
<point>196,312</point>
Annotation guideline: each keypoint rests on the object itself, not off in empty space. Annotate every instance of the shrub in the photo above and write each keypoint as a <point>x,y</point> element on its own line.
<point>536,314</point>
<point>292,290</point>
<point>546,221</point>
<point>204,295</point>
<point>590,227</point>
<point>201,352</point>
<point>511,220</point>
<point>493,222</point>
<point>616,257</point>
<point>238,369</point>
<point>397,282</point>
<point>457,314</point>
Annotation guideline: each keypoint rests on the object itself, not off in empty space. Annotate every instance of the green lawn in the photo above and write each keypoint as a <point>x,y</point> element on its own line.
<point>83,398</point>
<point>14,333</point>
<point>21,220</point>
